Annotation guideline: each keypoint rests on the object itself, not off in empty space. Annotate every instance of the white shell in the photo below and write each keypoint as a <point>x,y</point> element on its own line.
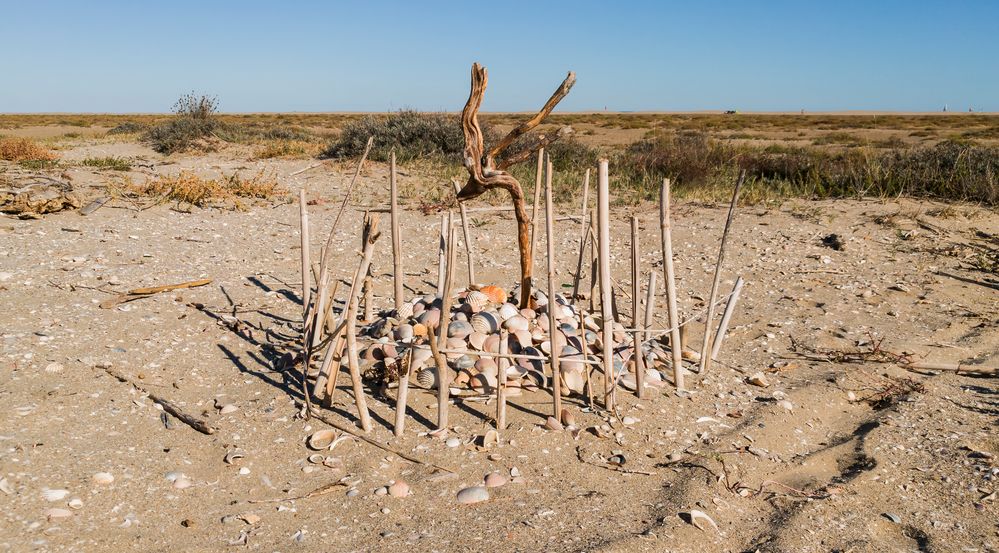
<point>508,310</point>
<point>54,495</point>
<point>475,494</point>
<point>404,312</point>
<point>477,301</point>
<point>515,323</point>
<point>485,322</point>
<point>103,478</point>
<point>322,439</point>
<point>427,378</point>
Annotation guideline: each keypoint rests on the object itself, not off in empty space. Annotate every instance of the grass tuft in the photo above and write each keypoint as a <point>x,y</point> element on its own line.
<point>112,163</point>
<point>24,149</point>
<point>227,191</point>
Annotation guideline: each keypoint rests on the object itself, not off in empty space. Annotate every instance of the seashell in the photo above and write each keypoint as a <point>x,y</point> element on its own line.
<point>515,372</point>
<point>508,310</point>
<point>590,323</point>
<point>399,488</point>
<point>76,503</point>
<point>404,312</point>
<point>427,378</point>
<point>464,362</point>
<point>628,382</point>
<point>459,329</point>
<point>688,354</point>
<point>389,351</point>
<point>321,439</point>
<point>54,495</point>
<point>474,494</point>
<point>487,366</point>
<point>452,442</point>
<point>462,378</point>
<point>491,344</point>
<point>5,486</point>
<point>524,338</point>
<point>537,334</point>
<point>420,358</point>
<point>56,513</point>
<point>494,293</point>
<point>103,478</point>
<point>574,380</point>
<point>616,460</point>
<point>404,332</point>
<point>552,424</point>
<point>540,298</point>
<point>418,309</point>
<point>316,458</point>
<point>567,418</point>
<point>420,330</point>
<point>758,379</point>
<point>431,318</point>
<point>528,313</point>
<point>173,476</point>
<point>494,480</point>
<point>455,344</point>
<point>543,323</point>
<point>484,382</point>
<point>228,408</point>
<point>459,316</point>
<point>702,521</point>
<point>485,322</point>
<point>182,483</point>
<point>628,421</point>
<point>490,438</point>
<point>477,340</point>
<point>477,300</point>
<point>516,323</point>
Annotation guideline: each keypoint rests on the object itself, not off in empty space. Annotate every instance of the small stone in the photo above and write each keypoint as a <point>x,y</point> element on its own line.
<point>228,408</point>
<point>244,471</point>
<point>452,442</point>
<point>381,491</point>
<point>187,523</point>
<point>628,421</point>
<point>57,513</point>
<point>474,494</point>
<point>758,379</point>
<point>494,480</point>
<point>53,368</point>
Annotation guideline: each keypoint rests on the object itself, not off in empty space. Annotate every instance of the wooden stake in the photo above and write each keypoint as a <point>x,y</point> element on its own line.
<point>706,345</point>
<point>726,317</point>
<point>442,254</point>
<point>594,266</point>
<point>306,261</point>
<point>398,276</point>
<point>468,237</point>
<point>537,204</point>
<point>650,308</point>
<point>552,320</point>
<point>443,376</point>
<point>666,228</point>
<point>442,379</point>
<point>351,318</point>
<point>401,396</point>
<point>603,238</point>
<point>501,373</point>
<point>582,238</point>
<point>636,321</point>
<point>368,288</point>
<point>168,406</point>
<point>586,358</point>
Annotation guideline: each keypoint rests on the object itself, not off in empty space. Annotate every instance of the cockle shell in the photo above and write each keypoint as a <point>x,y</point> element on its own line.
<point>459,329</point>
<point>524,338</point>
<point>321,439</point>
<point>477,340</point>
<point>430,318</point>
<point>464,362</point>
<point>495,293</point>
<point>485,322</point>
<point>404,312</point>
<point>507,311</point>
<point>574,380</point>
<point>491,344</point>
<point>404,333</point>
<point>477,300</point>
<point>427,378</point>
<point>486,366</point>
<point>420,358</point>
<point>515,323</point>
<point>528,313</point>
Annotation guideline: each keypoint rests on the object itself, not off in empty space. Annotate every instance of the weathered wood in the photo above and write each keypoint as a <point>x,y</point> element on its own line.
<point>582,237</point>
<point>553,325</point>
<point>669,275</point>
<point>398,277</point>
<point>466,232</point>
<point>484,174</point>
<point>539,174</point>
<point>401,396</point>
<point>501,374</point>
<point>726,317</point>
<point>636,320</point>
<point>603,240</point>
<point>706,344</point>
<point>442,252</point>
<point>168,406</point>
<point>351,317</point>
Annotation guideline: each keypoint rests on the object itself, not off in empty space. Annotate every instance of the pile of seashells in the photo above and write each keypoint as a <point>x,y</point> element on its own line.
<point>478,319</point>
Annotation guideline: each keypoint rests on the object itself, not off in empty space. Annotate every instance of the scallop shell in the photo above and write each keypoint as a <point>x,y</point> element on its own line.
<point>477,300</point>
<point>486,366</point>
<point>495,293</point>
<point>321,439</point>
<point>485,322</point>
<point>459,329</point>
<point>573,380</point>
<point>404,312</point>
<point>427,378</point>
<point>524,338</point>
<point>477,340</point>
<point>508,310</point>
<point>515,323</point>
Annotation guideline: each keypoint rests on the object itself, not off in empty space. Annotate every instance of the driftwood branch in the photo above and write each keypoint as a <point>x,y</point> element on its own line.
<point>169,407</point>
<point>530,124</point>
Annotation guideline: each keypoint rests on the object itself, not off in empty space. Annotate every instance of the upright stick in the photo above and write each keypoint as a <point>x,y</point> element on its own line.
<point>636,320</point>
<point>368,289</point>
<point>594,266</point>
<point>502,364</point>
<point>442,254</point>
<point>401,395</point>
<point>650,301</point>
<point>582,237</point>
<point>552,320</point>
<point>537,204</point>
<point>468,237</point>
<point>603,229</point>
<point>443,376</point>
<point>726,317</point>
<point>666,228</point>
<point>398,276</point>
<point>351,318</point>
<point>306,255</point>
<point>706,345</point>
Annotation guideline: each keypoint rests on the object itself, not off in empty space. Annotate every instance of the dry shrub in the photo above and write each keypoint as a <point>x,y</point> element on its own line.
<point>227,191</point>
<point>23,149</point>
<point>287,149</point>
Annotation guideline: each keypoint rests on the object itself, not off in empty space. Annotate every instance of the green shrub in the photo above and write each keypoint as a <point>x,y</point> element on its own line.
<point>413,135</point>
<point>129,127</point>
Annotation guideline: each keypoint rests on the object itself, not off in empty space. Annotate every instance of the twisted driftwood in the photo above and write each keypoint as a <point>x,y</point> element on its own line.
<point>484,172</point>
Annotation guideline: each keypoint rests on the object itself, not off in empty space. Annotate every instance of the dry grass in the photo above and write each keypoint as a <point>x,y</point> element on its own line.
<point>287,149</point>
<point>187,188</point>
<point>24,149</point>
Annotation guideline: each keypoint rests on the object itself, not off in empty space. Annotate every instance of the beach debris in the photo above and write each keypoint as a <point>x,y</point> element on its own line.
<point>473,494</point>
<point>702,521</point>
<point>102,478</point>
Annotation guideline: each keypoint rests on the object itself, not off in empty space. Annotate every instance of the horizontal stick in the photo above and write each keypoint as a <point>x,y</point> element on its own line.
<point>169,407</point>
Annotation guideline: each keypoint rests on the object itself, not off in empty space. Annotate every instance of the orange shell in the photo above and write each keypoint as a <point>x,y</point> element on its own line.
<point>495,293</point>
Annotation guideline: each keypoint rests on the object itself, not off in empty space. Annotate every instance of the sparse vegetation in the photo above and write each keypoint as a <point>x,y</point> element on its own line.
<point>24,149</point>
<point>112,163</point>
<point>187,188</point>
<point>412,134</point>
<point>129,127</point>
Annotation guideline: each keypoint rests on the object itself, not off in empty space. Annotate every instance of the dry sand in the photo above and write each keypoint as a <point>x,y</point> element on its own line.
<point>804,464</point>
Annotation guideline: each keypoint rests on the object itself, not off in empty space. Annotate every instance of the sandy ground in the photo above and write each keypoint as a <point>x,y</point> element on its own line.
<point>804,464</point>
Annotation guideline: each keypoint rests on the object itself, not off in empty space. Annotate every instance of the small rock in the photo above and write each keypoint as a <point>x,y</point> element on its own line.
<point>102,478</point>
<point>57,513</point>
<point>382,491</point>
<point>452,442</point>
<point>187,523</point>
<point>474,494</point>
<point>628,421</point>
<point>494,480</point>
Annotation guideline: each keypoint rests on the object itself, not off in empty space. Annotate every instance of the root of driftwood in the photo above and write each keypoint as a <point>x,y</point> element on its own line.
<point>875,353</point>
<point>139,293</point>
<point>383,447</point>
<point>169,407</point>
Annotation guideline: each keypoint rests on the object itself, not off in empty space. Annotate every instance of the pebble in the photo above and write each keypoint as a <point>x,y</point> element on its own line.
<point>228,408</point>
<point>474,494</point>
<point>57,513</point>
<point>103,478</point>
<point>452,442</point>
<point>628,421</point>
<point>758,379</point>
<point>381,491</point>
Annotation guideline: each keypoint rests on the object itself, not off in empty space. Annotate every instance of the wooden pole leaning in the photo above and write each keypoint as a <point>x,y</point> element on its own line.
<point>669,274</point>
<point>603,239</point>
<point>552,320</point>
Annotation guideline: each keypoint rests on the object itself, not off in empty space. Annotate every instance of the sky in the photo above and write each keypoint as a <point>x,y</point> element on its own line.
<point>138,57</point>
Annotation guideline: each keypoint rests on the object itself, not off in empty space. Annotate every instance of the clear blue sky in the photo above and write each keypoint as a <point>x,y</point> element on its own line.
<point>139,56</point>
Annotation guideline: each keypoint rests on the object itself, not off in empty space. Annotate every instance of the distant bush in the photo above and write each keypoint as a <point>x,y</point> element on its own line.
<point>129,127</point>
<point>195,119</point>
<point>413,135</point>
<point>24,149</point>
<point>196,106</point>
